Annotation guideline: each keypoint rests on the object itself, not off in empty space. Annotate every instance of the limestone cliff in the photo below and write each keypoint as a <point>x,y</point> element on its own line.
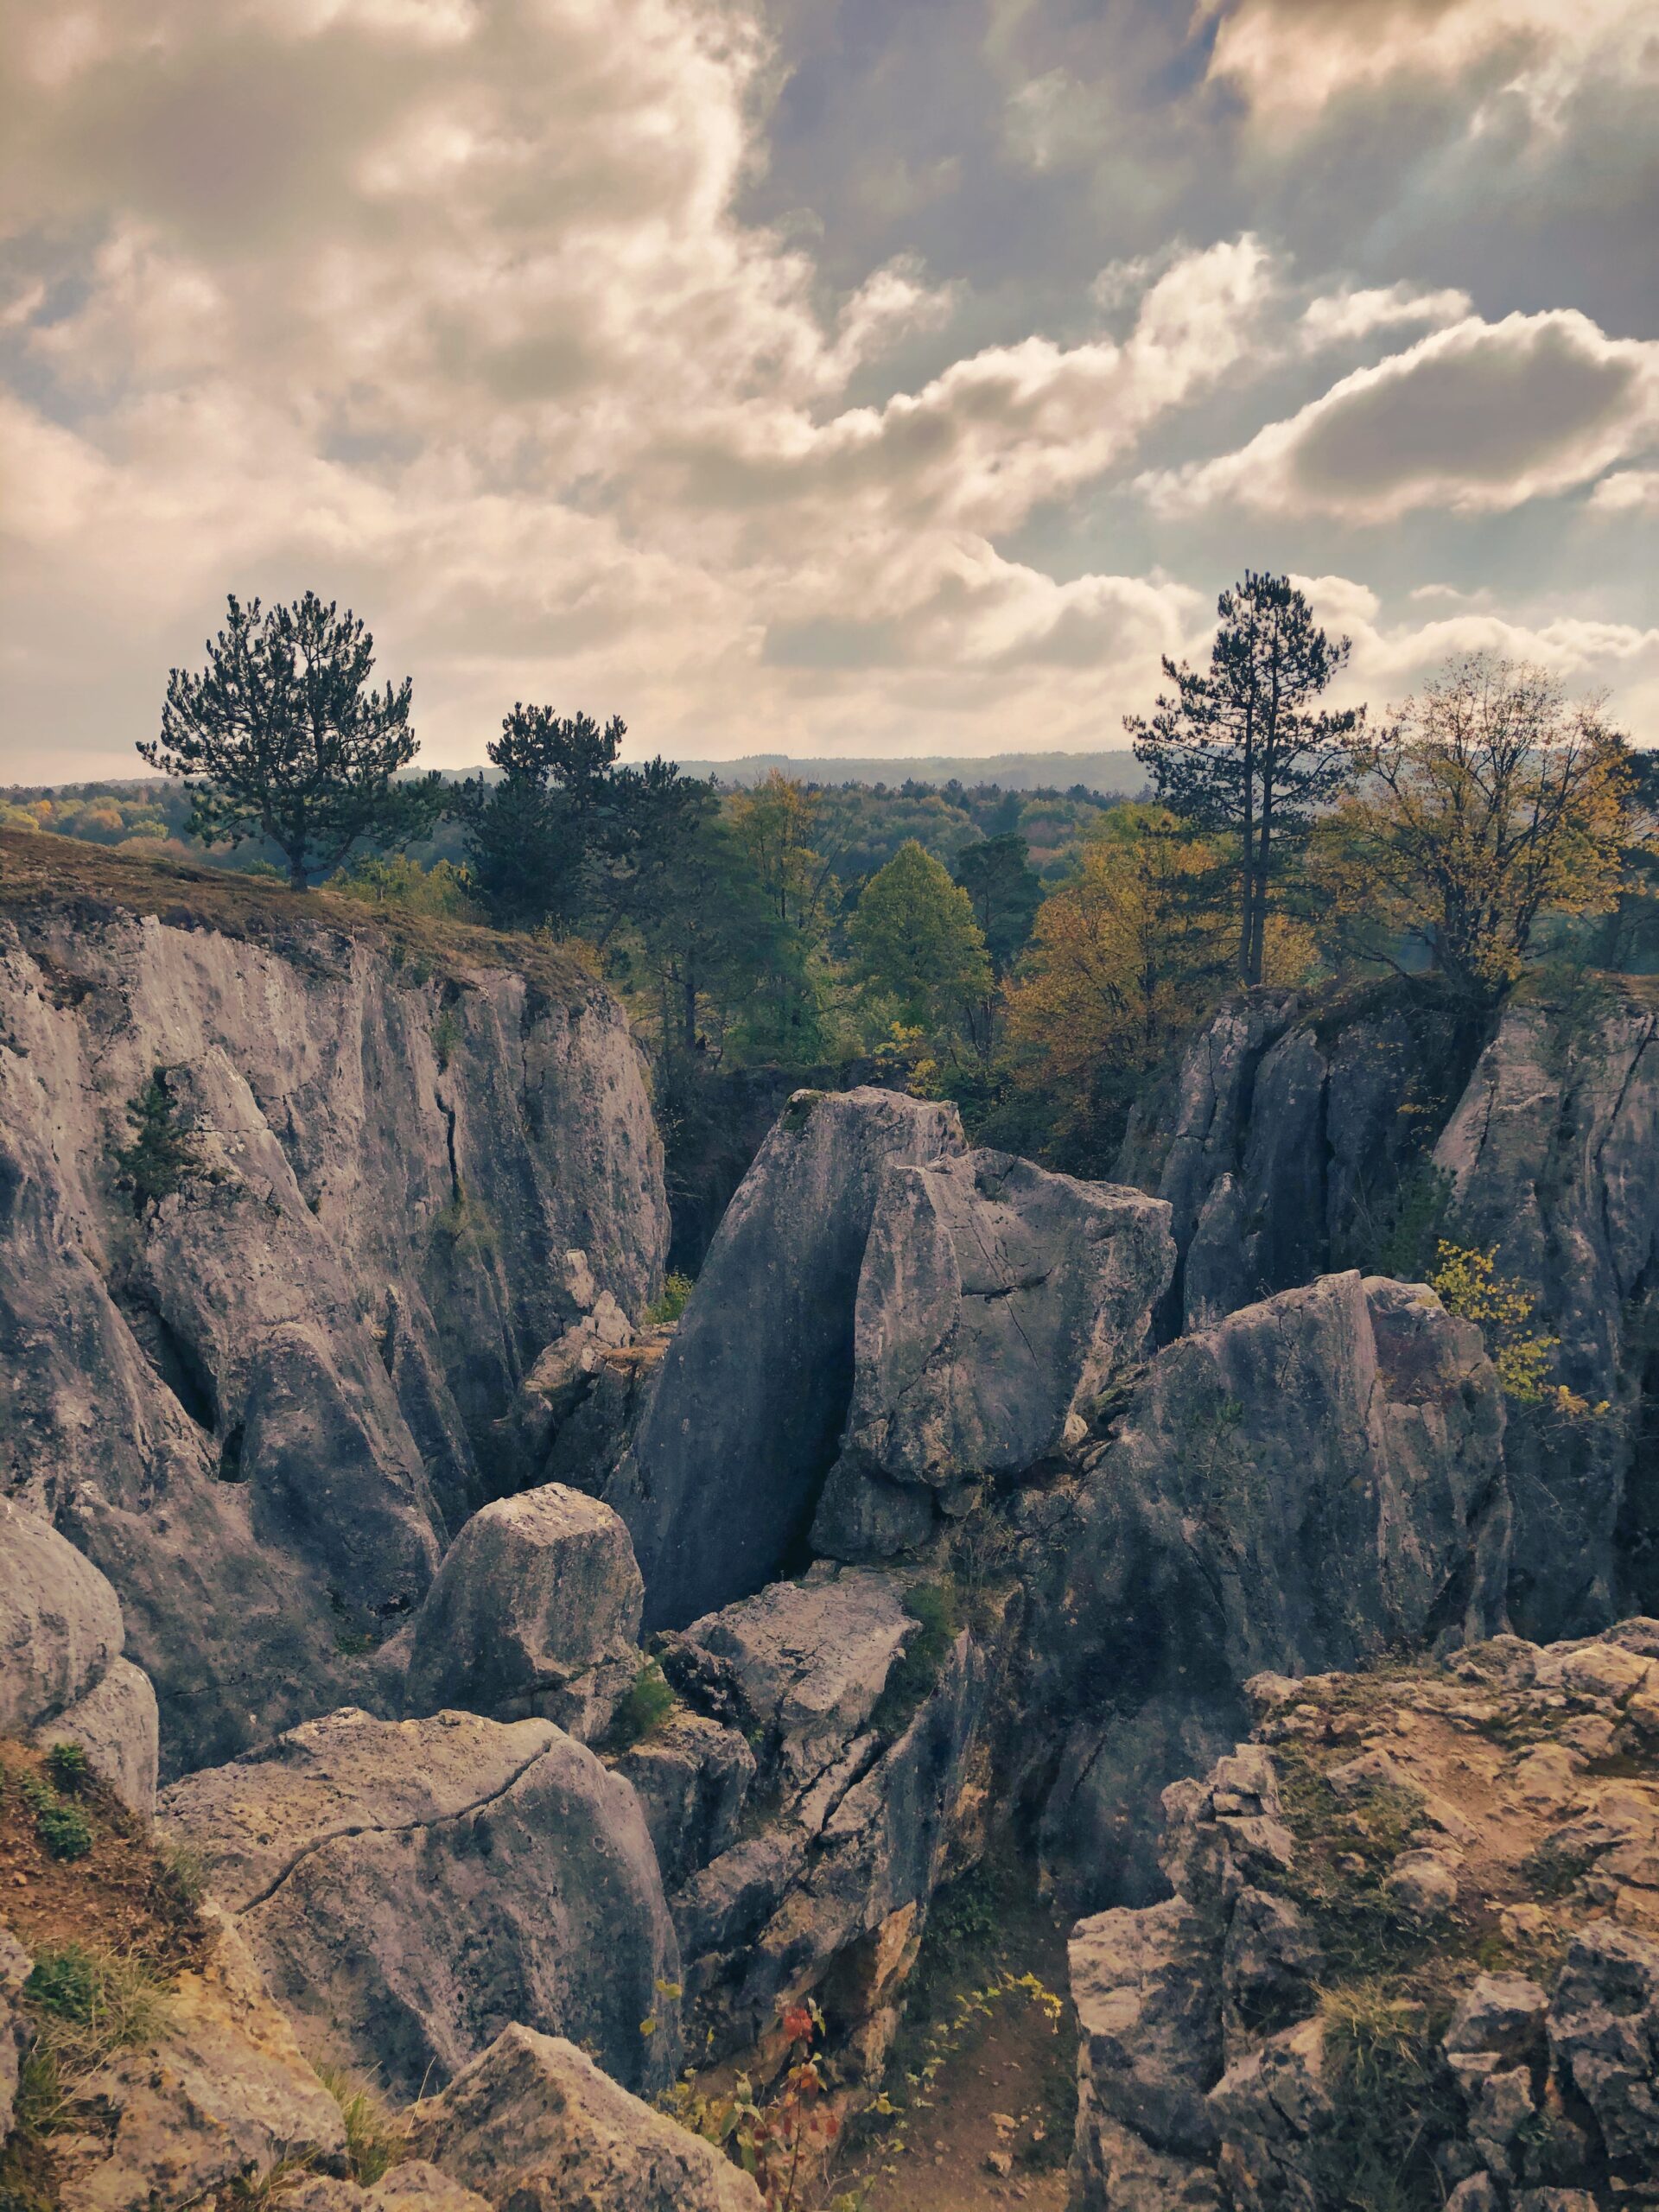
<point>262,1401</point>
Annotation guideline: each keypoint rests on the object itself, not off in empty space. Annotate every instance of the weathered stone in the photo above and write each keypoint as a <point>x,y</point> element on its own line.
<point>413,2186</point>
<point>116,1725</point>
<point>1115,2170</point>
<point>746,1417</point>
<point>59,1622</point>
<point>533,2126</point>
<point>995,1304</point>
<point>1604,2031</point>
<point>1316,1478</point>
<point>220,2092</point>
<point>411,1887</point>
<point>1425,1882</point>
<point>1499,2012</point>
<point>534,1610</point>
<point>1147,1992</point>
<point>260,1407</point>
<point>691,1777</point>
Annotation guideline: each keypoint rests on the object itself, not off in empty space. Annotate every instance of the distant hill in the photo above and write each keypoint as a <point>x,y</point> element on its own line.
<point>1014,771</point>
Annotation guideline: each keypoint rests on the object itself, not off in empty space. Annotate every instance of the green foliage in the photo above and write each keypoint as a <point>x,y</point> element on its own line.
<point>374,2143</point>
<point>1005,892</point>
<point>914,937</point>
<point>783,2138</point>
<point>1504,1309</point>
<point>180,1872</point>
<point>1411,1241</point>
<point>64,1829</point>
<point>392,881</point>
<point>1393,2104</point>
<point>66,1981</point>
<point>676,1296</point>
<point>69,1767</point>
<point>162,1154</point>
<point>83,2004</point>
<point>648,1703</point>
<point>281,736</point>
<point>914,1674</point>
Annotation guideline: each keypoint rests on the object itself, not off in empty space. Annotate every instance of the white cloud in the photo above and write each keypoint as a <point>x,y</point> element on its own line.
<point>1344,318</point>
<point>1291,59</point>
<point>1478,417</point>
<point>1627,491</point>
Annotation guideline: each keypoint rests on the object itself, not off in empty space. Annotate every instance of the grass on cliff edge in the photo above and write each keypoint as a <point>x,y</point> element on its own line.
<point>42,873</point>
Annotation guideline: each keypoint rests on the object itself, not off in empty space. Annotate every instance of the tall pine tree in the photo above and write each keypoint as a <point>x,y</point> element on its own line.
<point>1243,748</point>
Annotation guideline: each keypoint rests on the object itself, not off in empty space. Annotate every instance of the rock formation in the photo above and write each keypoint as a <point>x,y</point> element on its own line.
<point>994,1303</point>
<point>724,1476</point>
<point>1314,1481</point>
<point>257,1380</point>
<point>1414,1934</point>
<point>62,1677</point>
<point>411,1888</point>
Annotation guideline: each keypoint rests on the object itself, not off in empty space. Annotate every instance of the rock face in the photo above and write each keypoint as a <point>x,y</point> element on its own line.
<point>219,2092</point>
<point>1229,2033</point>
<point>411,1888</point>
<point>995,1302</point>
<point>1549,1160</point>
<point>747,1413</point>
<point>534,1610</point>
<point>1318,1478</point>
<point>14,1963</point>
<point>62,1677</point>
<point>532,2125</point>
<point>261,1402</point>
<point>873,1779</point>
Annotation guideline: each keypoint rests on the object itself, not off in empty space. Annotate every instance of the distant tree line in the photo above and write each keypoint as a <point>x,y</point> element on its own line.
<point>1032,955</point>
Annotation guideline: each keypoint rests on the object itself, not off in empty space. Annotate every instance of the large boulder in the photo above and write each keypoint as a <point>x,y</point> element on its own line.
<point>62,1677</point>
<point>1317,1479</point>
<point>411,1887</point>
<point>533,2126</point>
<point>996,1303</point>
<point>534,1610</point>
<point>732,1449</point>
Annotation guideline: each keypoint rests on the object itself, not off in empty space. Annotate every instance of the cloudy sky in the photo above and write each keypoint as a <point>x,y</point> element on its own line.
<point>814,376</point>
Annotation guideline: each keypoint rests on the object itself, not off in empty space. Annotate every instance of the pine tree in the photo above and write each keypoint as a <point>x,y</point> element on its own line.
<point>281,736</point>
<point>1241,749</point>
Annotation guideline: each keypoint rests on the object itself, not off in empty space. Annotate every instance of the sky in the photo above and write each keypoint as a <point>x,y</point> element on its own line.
<point>873,377</point>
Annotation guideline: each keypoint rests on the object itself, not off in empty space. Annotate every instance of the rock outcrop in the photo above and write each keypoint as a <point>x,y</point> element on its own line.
<point>412,1888</point>
<point>1414,1933</point>
<point>867,1710</point>
<point>533,2126</point>
<point>62,1675</point>
<point>219,2092</point>
<point>747,1412</point>
<point>534,1611</point>
<point>1316,1480</point>
<point>995,1302</point>
<point>254,1372</point>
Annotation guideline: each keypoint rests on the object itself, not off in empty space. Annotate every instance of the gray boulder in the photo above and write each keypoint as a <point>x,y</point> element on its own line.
<point>411,1887</point>
<point>746,1415</point>
<point>1316,1479</point>
<point>1146,1985</point>
<point>413,2185</point>
<point>534,1610</point>
<point>62,1678</point>
<point>996,1303</point>
<point>692,1777</point>
<point>1604,2033</point>
<point>533,2126</point>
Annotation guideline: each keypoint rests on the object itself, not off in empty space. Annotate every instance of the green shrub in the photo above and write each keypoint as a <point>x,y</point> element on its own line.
<point>162,1154</point>
<point>69,1767</point>
<point>676,1294</point>
<point>373,2144</point>
<point>649,1700</point>
<point>66,1981</point>
<point>64,1829</point>
<point>914,1674</point>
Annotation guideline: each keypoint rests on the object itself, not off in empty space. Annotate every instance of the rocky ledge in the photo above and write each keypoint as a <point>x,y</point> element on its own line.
<point>1412,1954</point>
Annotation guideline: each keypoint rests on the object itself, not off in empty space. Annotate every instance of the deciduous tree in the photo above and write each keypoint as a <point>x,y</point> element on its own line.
<point>915,938</point>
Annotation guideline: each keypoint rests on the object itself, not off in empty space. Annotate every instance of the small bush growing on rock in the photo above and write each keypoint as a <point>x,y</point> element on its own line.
<point>64,1829</point>
<point>69,1767</point>
<point>162,1154</point>
<point>915,1674</point>
<point>645,1705</point>
<point>1392,2103</point>
<point>374,2142</point>
<point>676,1296</point>
<point>84,2004</point>
<point>1504,1309</point>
